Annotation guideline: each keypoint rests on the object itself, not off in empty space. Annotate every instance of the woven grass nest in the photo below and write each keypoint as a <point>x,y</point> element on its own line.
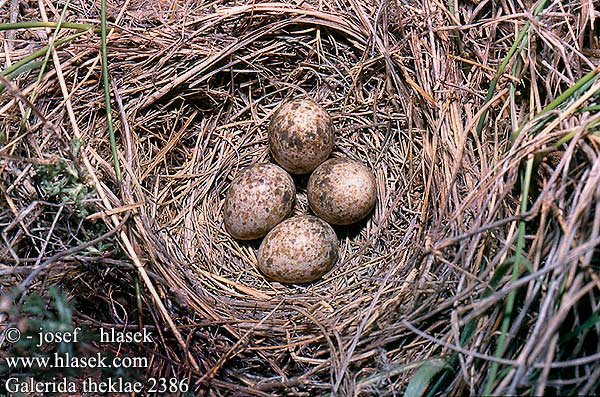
<point>476,273</point>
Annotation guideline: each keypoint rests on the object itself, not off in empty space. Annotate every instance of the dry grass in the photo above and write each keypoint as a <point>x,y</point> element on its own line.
<point>481,253</point>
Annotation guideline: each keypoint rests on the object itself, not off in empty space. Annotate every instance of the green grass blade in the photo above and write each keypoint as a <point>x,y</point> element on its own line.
<point>456,34</point>
<point>22,69</point>
<point>22,66</point>
<point>519,256</point>
<point>45,62</point>
<point>492,88</point>
<point>420,381</point>
<point>37,54</point>
<point>109,123</point>
<point>518,43</point>
<point>470,327</point>
<point>40,24</point>
<point>580,84</point>
<point>592,108</point>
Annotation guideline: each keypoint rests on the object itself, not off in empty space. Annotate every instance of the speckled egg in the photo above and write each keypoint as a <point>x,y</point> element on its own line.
<point>257,200</point>
<point>301,135</point>
<point>342,191</point>
<point>298,250</point>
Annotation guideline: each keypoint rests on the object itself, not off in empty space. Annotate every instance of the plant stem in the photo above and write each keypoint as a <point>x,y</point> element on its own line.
<point>519,255</point>
<point>39,24</point>
<point>111,132</point>
<point>513,49</point>
<point>49,48</point>
<point>34,55</point>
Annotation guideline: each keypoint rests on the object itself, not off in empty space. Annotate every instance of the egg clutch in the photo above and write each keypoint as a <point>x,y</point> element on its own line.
<point>259,201</point>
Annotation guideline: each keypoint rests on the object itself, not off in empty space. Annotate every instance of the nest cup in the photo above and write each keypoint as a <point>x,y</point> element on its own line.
<point>214,276</point>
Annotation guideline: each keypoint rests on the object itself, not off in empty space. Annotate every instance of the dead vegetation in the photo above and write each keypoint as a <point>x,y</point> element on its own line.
<point>477,272</point>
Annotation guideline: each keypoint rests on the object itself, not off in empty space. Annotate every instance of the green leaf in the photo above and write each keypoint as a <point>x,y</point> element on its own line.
<point>424,375</point>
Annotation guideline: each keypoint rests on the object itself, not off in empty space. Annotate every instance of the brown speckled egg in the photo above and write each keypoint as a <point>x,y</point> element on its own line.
<point>298,250</point>
<point>342,191</point>
<point>300,135</point>
<point>257,200</point>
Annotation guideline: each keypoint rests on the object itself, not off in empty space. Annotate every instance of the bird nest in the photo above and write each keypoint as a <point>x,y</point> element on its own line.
<point>480,252</point>
<point>223,113</point>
